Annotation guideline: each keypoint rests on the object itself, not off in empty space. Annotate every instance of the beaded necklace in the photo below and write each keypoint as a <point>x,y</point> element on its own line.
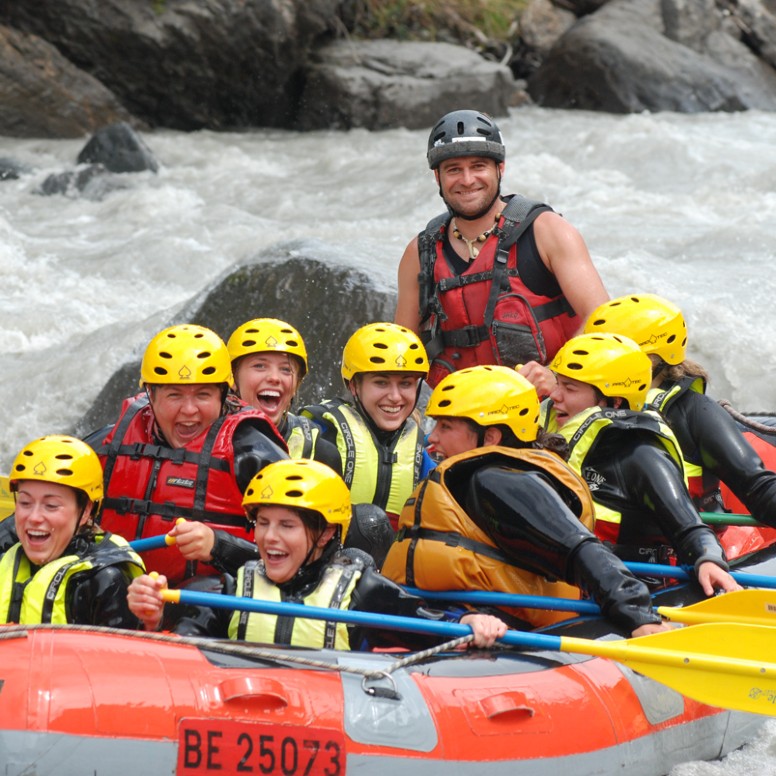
<point>475,244</point>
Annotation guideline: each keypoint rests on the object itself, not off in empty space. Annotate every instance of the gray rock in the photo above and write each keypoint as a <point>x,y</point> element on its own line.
<point>383,83</point>
<point>755,23</point>
<point>619,60</point>
<point>187,64</point>
<point>92,181</point>
<point>44,95</point>
<point>119,149</point>
<point>326,303</point>
<point>11,169</point>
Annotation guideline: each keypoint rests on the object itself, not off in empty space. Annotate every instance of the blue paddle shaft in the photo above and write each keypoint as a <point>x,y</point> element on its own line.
<point>494,598</point>
<point>682,574</point>
<point>151,543</point>
<point>451,630</point>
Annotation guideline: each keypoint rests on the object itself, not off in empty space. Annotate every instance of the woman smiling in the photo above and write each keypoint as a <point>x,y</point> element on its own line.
<point>63,570</point>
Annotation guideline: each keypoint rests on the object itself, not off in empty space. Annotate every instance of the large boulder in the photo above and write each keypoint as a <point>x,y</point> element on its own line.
<point>380,84</point>
<point>326,303</point>
<point>187,64</point>
<point>637,55</point>
<point>44,95</point>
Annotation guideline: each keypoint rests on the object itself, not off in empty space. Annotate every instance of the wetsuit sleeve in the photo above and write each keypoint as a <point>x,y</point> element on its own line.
<point>253,450</point>
<point>204,620</point>
<point>655,484</point>
<point>376,593</point>
<point>527,520</point>
<point>230,552</point>
<point>326,452</point>
<point>706,430</point>
<point>100,598</point>
<point>8,535</point>
<point>370,530</point>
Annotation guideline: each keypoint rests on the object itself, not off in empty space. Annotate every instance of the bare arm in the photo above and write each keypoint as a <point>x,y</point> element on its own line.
<point>565,254</point>
<point>408,302</point>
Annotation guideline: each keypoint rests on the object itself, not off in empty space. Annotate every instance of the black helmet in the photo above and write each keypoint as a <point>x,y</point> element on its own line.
<point>464,133</point>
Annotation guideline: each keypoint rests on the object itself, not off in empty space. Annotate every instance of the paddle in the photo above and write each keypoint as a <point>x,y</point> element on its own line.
<point>155,542</point>
<point>690,660</point>
<point>725,518</point>
<point>752,607</point>
<point>152,543</point>
<point>681,574</point>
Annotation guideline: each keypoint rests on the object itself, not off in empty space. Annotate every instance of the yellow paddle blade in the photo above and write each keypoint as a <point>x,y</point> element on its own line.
<point>753,607</point>
<point>725,665</point>
<point>7,505</point>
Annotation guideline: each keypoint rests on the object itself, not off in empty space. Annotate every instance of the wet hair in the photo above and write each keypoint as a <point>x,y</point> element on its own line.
<point>676,372</point>
<point>545,440</point>
<point>91,527</point>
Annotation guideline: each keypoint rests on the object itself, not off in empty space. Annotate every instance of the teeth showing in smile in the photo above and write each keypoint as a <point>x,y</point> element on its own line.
<point>391,410</point>
<point>270,398</point>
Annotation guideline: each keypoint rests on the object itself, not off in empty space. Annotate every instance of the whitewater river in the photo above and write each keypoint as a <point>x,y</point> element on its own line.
<point>683,206</point>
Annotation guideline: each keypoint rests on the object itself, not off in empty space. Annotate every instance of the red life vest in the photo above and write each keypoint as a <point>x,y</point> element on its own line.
<point>148,486</point>
<point>487,315</point>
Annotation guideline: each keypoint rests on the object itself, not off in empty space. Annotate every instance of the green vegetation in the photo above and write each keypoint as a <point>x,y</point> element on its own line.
<point>437,19</point>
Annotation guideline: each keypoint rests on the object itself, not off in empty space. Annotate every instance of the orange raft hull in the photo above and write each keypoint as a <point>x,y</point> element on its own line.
<point>742,540</point>
<point>77,702</point>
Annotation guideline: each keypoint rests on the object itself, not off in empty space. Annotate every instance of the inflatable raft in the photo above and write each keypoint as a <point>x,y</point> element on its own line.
<point>114,703</point>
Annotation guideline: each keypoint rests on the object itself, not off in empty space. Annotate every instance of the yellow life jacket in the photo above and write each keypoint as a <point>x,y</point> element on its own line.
<point>375,474</point>
<point>29,597</point>
<point>301,436</point>
<point>582,432</point>
<point>439,547</point>
<point>660,399</point>
<point>334,591</point>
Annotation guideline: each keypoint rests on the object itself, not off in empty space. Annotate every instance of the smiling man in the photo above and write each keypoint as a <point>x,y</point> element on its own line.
<point>469,307</point>
<point>184,448</point>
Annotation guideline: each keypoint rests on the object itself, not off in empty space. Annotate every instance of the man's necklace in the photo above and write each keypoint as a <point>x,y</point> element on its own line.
<point>475,244</point>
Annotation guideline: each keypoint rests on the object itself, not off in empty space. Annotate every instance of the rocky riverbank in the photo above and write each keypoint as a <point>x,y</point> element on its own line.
<point>70,67</point>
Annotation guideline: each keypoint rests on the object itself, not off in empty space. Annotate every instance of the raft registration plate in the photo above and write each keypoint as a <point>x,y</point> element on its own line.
<point>233,748</point>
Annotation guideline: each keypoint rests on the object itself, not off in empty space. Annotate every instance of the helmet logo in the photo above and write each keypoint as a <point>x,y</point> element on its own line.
<point>40,468</point>
<point>184,373</point>
<point>271,342</point>
<point>401,362</point>
<point>267,492</point>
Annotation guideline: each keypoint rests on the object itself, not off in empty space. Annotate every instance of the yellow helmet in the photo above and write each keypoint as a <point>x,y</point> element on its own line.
<point>383,347</point>
<point>654,323</point>
<point>186,354</point>
<point>262,335</point>
<point>488,395</point>
<point>302,484</point>
<point>610,362</point>
<point>64,460</point>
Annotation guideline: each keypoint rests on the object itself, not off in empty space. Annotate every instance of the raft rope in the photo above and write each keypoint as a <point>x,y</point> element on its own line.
<point>747,421</point>
<point>245,650</point>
